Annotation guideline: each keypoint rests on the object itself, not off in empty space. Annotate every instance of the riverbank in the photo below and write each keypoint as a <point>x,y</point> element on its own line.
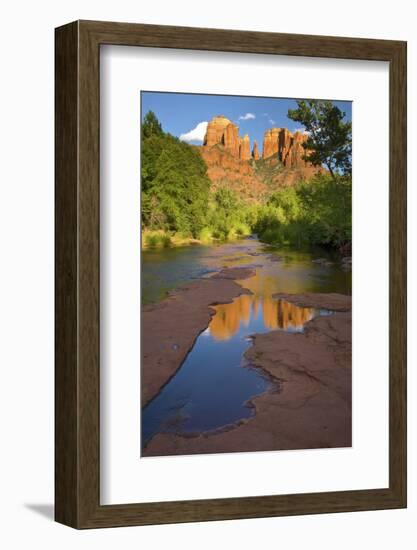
<point>199,323</point>
<point>312,409</point>
<point>170,327</point>
<point>152,240</point>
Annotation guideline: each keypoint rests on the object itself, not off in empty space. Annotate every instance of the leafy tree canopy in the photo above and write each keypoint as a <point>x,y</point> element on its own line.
<point>329,140</point>
<point>176,196</point>
<point>175,185</point>
<point>151,125</point>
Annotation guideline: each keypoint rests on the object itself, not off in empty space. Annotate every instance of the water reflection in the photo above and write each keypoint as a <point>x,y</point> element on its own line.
<point>214,384</point>
<point>276,314</point>
<point>165,269</point>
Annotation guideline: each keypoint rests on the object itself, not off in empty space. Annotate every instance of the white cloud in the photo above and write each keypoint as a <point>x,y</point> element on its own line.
<point>247,116</point>
<point>301,130</point>
<point>196,134</point>
<point>271,121</point>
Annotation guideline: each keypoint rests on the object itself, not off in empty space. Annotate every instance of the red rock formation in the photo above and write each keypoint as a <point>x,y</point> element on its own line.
<point>228,166</point>
<point>296,152</point>
<point>231,139</point>
<point>215,130</point>
<point>287,147</point>
<point>244,148</point>
<point>220,130</point>
<point>225,170</point>
<point>255,152</point>
<point>271,138</point>
<point>284,145</point>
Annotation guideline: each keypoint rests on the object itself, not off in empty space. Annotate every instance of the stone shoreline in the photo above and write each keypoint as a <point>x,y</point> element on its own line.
<point>313,368</point>
<point>170,327</point>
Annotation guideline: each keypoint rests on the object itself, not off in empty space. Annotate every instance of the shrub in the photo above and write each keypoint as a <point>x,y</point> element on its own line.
<point>205,235</point>
<point>241,229</point>
<point>175,185</point>
<point>315,212</point>
<point>156,239</point>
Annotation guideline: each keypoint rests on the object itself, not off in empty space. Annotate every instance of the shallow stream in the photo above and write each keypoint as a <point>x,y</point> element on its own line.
<point>213,387</point>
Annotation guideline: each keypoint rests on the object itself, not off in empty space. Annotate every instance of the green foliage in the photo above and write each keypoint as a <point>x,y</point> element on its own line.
<point>151,125</point>
<point>205,235</point>
<point>267,169</point>
<point>227,216</point>
<point>226,200</point>
<point>288,202</point>
<point>314,212</point>
<point>156,239</point>
<point>329,140</point>
<point>175,186</point>
<point>177,205</point>
<point>241,229</point>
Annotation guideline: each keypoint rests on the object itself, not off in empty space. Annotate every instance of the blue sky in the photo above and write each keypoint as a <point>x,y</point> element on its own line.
<point>186,115</point>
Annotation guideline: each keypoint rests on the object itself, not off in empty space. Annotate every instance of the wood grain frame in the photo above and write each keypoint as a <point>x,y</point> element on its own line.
<point>77,360</point>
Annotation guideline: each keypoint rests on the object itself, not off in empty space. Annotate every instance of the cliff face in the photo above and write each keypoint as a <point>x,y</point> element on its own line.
<point>288,147</point>
<point>220,130</point>
<point>271,140</point>
<point>244,148</point>
<point>227,170</point>
<point>279,142</point>
<point>230,161</point>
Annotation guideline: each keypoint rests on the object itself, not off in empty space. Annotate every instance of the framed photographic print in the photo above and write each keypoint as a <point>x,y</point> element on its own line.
<point>230,274</point>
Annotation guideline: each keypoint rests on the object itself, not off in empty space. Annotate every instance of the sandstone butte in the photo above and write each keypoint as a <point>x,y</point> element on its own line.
<point>230,160</point>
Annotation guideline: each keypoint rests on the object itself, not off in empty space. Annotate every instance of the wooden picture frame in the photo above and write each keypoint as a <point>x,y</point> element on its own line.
<point>77,382</point>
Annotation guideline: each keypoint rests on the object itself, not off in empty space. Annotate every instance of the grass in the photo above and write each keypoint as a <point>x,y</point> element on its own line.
<point>206,235</point>
<point>163,239</point>
<point>156,239</point>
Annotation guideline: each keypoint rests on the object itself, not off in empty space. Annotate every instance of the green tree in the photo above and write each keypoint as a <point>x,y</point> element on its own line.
<point>288,201</point>
<point>151,125</point>
<point>175,185</point>
<point>329,140</point>
<point>226,199</point>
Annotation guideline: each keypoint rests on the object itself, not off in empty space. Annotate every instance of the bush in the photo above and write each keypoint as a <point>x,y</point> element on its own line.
<point>241,229</point>
<point>156,239</point>
<point>316,212</point>
<point>175,185</point>
<point>205,235</point>
<point>272,236</point>
<point>176,200</point>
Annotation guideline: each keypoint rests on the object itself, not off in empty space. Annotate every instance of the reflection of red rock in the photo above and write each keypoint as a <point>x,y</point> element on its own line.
<point>284,315</point>
<point>313,408</point>
<point>277,314</point>
<point>228,318</point>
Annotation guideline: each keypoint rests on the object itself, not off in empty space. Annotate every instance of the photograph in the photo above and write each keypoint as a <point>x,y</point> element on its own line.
<point>209,256</point>
<point>246,286</point>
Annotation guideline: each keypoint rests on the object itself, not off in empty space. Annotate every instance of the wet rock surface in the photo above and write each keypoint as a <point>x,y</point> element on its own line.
<point>332,301</point>
<point>170,327</point>
<point>235,273</point>
<point>312,408</point>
